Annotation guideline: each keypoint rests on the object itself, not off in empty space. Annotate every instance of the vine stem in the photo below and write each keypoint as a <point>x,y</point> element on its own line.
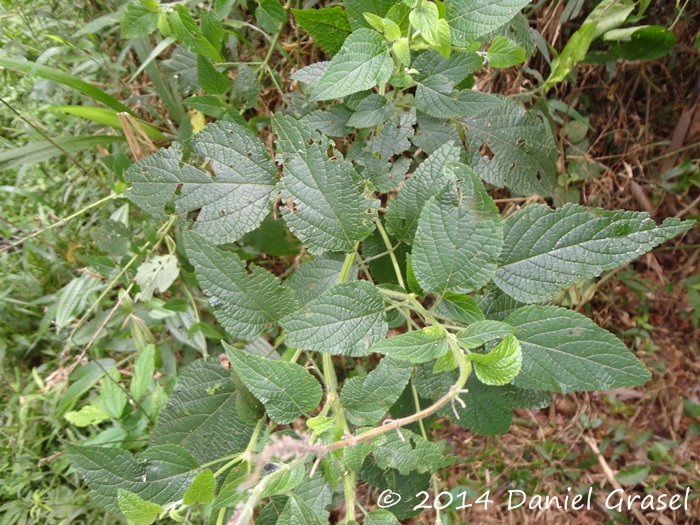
<point>333,400</point>
<point>392,255</point>
<point>465,369</point>
<point>59,223</point>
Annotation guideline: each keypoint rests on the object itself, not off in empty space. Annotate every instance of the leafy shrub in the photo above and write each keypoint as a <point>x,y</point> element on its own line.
<point>329,246</point>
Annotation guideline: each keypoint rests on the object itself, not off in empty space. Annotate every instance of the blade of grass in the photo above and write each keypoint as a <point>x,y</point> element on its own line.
<point>66,79</point>
<point>42,150</point>
<point>107,117</point>
<point>142,47</point>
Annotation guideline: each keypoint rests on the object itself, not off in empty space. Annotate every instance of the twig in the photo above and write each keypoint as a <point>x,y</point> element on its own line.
<point>611,476</point>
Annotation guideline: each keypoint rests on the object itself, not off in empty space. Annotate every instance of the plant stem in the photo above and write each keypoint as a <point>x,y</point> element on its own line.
<point>392,255</point>
<point>273,44</point>
<point>465,369</point>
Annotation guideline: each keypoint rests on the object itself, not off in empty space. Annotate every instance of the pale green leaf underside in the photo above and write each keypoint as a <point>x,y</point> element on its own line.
<point>329,212</point>
<point>427,181</point>
<point>362,63</point>
<point>137,510</point>
<point>547,250</point>
<point>459,237</point>
<point>480,332</point>
<point>415,347</point>
<point>201,414</point>
<point>505,53</point>
<point>470,19</point>
<point>286,389</point>
<point>347,319</point>
<point>246,304</point>
<point>231,202</point>
<point>366,400</point>
<point>501,365</point>
<point>564,351</point>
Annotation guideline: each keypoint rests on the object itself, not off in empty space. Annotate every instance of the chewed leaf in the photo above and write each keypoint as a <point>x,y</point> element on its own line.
<point>232,201</point>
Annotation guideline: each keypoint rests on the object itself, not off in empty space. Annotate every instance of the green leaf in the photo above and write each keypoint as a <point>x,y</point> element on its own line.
<point>317,276</point>
<point>137,510</point>
<point>496,304</point>
<point>517,30</point>
<point>524,154</point>
<point>362,63</point>
<point>375,22</point>
<point>271,237</point>
<point>229,495</point>
<point>425,19</point>
<point>347,319</point>
<point>161,474</point>
<point>232,202</point>
<point>357,8</point>
<point>316,494</point>
<point>186,30</point>
<point>436,98</point>
<point>444,38</point>
<point>433,133</point>
<point>381,517</point>
<point>201,490</point>
<point>366,400</point>
<point>182,70</point>
<point>296,512</point>
<point>394,136</point>
<point>329,26</point>
<point>455,69</point>
<point>459,237</point>
<point>481,332</point>
<point>246,88</point>
<point>210,79</point>
<point>286,389</point>
<point>573,53</point>
<point>398,452</point>
<point>470,19</point>
<point>505,53</point>
<point>547,250</point>
<point>408,486</point>
<point>246,304</point>
<point>143,372</point>
<point>402,51</point>
<point>488,408</point>
<point>70,81</point>
<point>427,181</point>
<point>138,20</point>
<point>391,30</point>
<point>460,308</point>
<point>415,347</point>
<point>329,214</point>
<point>500,365</point>
<point>311,74</point>
<point>82,380</point>
<point>332,122</point>
<point>210,105</point>
<point>156,275</point>
<point>633,476</point>
<point>113,399</point>
<point>201,414</point>
<point>373,110</point>
<point>73,298</point>
<point>212,29</point>
<point>564,351</point>
<point>270,15</point>
<point>88,415</point>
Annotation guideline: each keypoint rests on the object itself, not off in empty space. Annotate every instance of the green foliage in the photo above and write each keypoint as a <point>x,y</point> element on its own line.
<point>290,256</point>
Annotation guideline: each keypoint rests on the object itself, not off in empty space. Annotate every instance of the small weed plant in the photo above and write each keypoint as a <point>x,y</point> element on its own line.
<point>362,280</point>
